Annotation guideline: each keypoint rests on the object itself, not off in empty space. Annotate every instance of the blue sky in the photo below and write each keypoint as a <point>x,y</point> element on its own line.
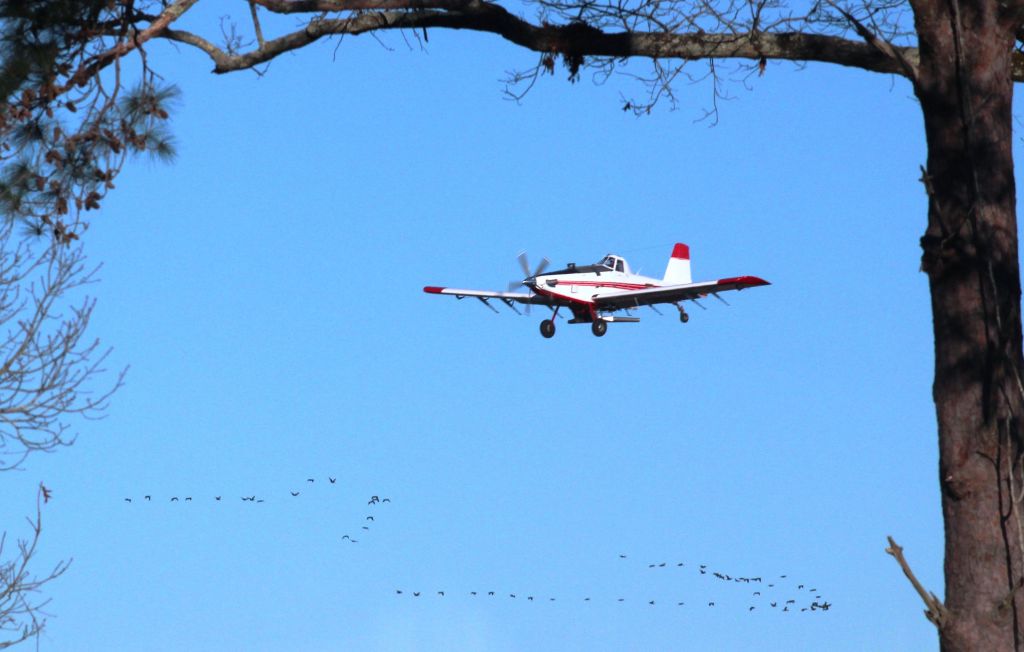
<point>266,290</point>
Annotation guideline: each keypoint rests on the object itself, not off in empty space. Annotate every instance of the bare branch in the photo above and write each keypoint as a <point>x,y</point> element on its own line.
<point>570,39</point>
<point>883,46</point>
<point>95,64</point>
<point>936,611</point>
<point>256,23</point>
<point>46,367</point>
<point>22,615</point>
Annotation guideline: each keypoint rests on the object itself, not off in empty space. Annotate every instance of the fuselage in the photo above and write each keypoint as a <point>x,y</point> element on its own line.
<point>577,286</point>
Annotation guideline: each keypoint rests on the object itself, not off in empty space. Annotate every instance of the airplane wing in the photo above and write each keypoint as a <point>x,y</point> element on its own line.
<point>508,298</point>
<point>675,293</point>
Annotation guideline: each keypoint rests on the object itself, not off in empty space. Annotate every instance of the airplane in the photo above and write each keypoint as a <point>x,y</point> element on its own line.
<point>593,293</point>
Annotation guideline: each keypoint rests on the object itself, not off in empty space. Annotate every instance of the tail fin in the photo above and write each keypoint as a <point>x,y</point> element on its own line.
<point>678,270</point>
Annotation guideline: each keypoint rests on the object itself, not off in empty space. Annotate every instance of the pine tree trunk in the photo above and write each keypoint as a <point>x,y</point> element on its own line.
<point>970,256</point>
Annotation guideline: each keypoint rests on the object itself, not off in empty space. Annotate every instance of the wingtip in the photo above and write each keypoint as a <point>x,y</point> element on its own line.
<point>433,289</point>
<point>744,281</point>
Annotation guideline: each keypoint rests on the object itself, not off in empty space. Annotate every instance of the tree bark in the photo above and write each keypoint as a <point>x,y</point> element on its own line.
<point>965,88</point>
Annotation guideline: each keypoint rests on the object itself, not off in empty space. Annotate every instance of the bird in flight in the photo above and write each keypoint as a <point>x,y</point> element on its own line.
<point>127,500</point>
<point>174,499</point>
<point>216,497</point>
<point>333,480</point>
<point>295,493</point>
<point>370,518</point>
<point>148,497</point>
<point>309,479</point>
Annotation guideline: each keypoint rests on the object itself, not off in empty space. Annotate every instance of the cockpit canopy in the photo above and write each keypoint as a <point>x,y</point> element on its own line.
<point>613,262</point>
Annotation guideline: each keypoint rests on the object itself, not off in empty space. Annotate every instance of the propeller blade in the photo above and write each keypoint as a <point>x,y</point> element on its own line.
<point>524,263</point>
<point>543,265</point>
<point>514,285</point>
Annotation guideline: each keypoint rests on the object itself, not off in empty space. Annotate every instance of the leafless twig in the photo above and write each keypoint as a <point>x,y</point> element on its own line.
<point>22,614</point>
<point>936,611</point>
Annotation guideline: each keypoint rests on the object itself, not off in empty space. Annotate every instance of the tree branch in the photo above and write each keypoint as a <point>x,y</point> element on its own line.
<point>104,59</point>
<point>573,39</point>
<point>256,23</point>
<point>936,611</point>
<point>883,46</point>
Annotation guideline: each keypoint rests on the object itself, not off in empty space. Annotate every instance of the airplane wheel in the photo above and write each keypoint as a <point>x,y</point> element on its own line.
<point>599,327</point>
<point>547,328</point>
<point>683,317</point>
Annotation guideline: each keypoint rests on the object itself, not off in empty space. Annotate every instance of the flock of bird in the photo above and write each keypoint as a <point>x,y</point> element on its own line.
<point>766,593</point>
<point>256,499</point>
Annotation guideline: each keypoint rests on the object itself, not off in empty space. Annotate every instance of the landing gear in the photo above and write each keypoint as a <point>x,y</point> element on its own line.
<point>683,317</point>
<point>547,328</point>
<point>599,327</point>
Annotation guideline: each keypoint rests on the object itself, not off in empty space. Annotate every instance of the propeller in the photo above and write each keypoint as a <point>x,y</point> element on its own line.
<point>524,263</point>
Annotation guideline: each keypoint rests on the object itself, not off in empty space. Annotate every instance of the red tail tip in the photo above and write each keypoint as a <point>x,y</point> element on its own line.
<point>681,251</point>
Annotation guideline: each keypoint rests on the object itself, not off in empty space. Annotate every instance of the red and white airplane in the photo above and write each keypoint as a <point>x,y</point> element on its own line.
<point>594,292</point>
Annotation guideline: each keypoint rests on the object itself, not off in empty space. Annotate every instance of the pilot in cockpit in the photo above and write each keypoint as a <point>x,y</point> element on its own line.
<point>613,263</point>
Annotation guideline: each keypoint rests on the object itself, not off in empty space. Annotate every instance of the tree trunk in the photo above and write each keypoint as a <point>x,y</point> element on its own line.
<point>970,255</point>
